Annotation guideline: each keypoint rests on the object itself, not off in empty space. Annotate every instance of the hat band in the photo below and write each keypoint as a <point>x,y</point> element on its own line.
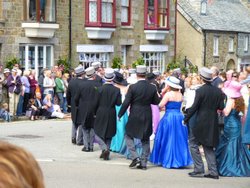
<point>205,77</point>
<point>168,79</point>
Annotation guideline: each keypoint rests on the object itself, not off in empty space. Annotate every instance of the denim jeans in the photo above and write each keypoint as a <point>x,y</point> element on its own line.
<point>19,110</point>
<point>65,105</point>
<point>60,97</point>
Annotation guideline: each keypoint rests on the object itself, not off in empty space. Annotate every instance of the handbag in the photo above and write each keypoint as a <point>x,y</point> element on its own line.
<point>28,113</point>
<point>17,90</point>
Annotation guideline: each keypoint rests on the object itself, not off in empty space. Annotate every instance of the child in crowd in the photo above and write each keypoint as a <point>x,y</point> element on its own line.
<point>4,113</point>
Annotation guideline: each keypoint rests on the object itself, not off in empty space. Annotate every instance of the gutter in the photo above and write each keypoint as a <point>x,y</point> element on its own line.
<point>70,32</point>
<point>205,48</point>
<point>175,37</point>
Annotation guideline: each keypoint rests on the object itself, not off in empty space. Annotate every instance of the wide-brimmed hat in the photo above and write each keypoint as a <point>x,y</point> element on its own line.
<point>14,70</point>
<point>96,64</point>
<point>6,70</point>
<point>233,89</point>
<point>173,82</point>
<point>109,74</point>
<point>79,70</point>
<point>206,74</point>
<point>141,69</point>
<point>90,71</point>
<point>119,79</point>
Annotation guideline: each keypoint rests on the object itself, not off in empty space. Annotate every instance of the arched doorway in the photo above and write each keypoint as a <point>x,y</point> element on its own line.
<point>231,65</point>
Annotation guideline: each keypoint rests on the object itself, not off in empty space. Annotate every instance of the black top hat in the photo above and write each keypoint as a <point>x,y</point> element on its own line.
<point>150,76</point>
<point>119,79</point>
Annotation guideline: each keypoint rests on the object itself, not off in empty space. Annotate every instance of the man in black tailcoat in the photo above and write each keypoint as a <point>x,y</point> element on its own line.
<point>86,102</point>
<point>205,132</point>
<point>105,122</point>
<point>98,71</point>
<point>139,96</point>
<point>77,133</point>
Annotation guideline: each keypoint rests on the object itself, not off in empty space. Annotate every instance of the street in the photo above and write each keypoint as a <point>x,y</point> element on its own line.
<point>64,165</point>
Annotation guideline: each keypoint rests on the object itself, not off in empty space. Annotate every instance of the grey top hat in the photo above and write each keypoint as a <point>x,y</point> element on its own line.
<point>90,71</point>
<point>79,70</point>
<point>132,71</point>
<point>156,72</point>
<point>109,74</point>
<point>206,74</point>
<point>141,69</point>
<point>96,64</point>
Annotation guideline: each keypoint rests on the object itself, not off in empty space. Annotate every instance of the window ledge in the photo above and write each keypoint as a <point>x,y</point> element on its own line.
<point>40,30</point>
<point>216,56</point>
<point>127,27</point>
<point>99,32</point>
<point>155,34</point>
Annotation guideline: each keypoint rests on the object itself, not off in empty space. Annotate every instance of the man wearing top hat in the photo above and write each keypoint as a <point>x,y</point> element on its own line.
<point>1,84</point>
<point>139,96</point>
<point>105,122</point>
<point>205,132</point>
<point>74,84</point>
<point>86,102</point>
<point>98,71</point>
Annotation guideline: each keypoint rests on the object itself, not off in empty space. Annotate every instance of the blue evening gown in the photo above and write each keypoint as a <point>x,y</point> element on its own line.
<point>233,157</point>
<point>171,141</point>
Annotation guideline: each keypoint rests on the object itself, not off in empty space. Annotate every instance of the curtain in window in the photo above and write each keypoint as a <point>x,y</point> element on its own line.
<point>93,11</point>
<point>107,11</point>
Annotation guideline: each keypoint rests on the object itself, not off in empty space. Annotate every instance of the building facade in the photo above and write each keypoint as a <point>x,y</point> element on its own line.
<point>39,32</point>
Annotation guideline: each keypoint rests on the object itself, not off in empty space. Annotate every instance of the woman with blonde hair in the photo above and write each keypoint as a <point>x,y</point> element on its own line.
<point>59,88</point>
<point>18,168</point>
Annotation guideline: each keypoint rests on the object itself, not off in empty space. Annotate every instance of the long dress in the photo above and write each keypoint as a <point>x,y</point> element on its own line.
<point>171,141</point>
<point>233,157</point>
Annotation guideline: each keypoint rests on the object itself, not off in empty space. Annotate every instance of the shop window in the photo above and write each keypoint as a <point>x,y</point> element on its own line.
<point>154,60</point>
<point>40,10</point>
<point>100,13</point>
<point>89,58</point>
<point>156,14</point>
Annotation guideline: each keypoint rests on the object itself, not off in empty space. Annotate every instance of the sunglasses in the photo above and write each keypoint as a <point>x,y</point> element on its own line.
<point>235,76</point>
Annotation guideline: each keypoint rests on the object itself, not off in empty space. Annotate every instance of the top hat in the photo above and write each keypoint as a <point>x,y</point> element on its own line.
<point>79,70</point>
<point>131,71</point>
<point>96,64</point>
<point>150,76</point>
<point>156,72</point>
<point>173,82</point>
<point>233,89</point>
<point>206,74</point>
<point>109,74</point>
<point>90,71</point>
<point>119,79</point>
<point>141,69</point>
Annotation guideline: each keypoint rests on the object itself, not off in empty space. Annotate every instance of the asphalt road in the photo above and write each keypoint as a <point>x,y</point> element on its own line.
<point>64,165</point>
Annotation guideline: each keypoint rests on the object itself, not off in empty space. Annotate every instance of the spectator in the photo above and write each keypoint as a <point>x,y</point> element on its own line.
<point>41,78</point>
<point>4,113</point>
<point>59,88</point>
<point>19,168</point>
<point>53,108</point>
<point>49,84</point>
<point>33,83</point>
<point>215,74</point>
<point>65,79</point>
<point>26,90</point>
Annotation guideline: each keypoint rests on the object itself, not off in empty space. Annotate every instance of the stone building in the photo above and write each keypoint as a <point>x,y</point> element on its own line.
<point>209,33</point>
<point>39,32</point>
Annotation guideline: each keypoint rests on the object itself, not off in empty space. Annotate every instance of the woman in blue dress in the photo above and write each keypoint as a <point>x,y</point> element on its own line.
<point>233,156</point>
<point>171,141</point>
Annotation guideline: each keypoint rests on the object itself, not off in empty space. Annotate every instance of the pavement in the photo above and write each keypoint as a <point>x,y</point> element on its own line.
<point>64,165</point>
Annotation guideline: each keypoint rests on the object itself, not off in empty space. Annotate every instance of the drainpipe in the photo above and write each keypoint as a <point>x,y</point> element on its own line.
<point>70,32</point>
<point>205,48</point>
<point>175,37</point>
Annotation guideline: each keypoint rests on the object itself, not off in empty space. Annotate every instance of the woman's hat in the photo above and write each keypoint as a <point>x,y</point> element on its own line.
<point>90,71</point>
<point>6,70</point>
<point>119,79</point>
<point>173,82</point>
<point>233,89</point>
<point>206,74</point>
<point>109,74</point>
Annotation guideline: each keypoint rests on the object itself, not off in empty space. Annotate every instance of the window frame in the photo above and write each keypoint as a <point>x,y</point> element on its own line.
<point>216,46</point>
<point>156,26</point>
<point>231,45</point>
<point>38,15</point>
<point>103,57</point>
<point>99,22</point>
<point>246,43</point>
<point>128,23</point>
<point>150,57</point>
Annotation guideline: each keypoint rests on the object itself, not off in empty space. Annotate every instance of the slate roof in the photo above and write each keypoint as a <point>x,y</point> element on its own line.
<point>222,15</point>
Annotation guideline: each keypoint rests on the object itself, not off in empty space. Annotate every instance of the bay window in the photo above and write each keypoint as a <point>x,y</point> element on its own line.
<point>125,12</point>
<point>40,10</point>
<point>100,13</point>
<point>156,14</point>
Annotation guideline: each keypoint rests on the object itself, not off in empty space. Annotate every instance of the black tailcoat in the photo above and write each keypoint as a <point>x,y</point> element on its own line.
<point>140,96</point>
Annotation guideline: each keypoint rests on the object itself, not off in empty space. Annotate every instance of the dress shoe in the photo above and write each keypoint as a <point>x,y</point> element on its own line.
<point>91,149</point>
<point>196,174</point>
<point>101,156</point>
<point>135,162</point>
<point>73,140</point>
<point>141,167</point>
<point>85,149</point>
<point>106,155</point>
<point>79,144</point>
<point>211,176</point>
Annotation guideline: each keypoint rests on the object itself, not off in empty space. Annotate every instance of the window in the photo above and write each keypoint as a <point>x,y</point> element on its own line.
<point>203,7</point>
<point>40,10</point>
<point>231,44</point>
<point>156,14</point>
<point>89,58</point>
<point>246,43</point>
<point>125,14</point>
<point>100,13</point>
<point>124,54</point>
<point>216,46</point>
<point>36,57</point>
<point>154,60</point>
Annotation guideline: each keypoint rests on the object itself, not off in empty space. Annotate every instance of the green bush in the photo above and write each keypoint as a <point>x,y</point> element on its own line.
<point>11,62</point>
<point>139,61</point>
<point>117,63</point>
<point>63,64</point>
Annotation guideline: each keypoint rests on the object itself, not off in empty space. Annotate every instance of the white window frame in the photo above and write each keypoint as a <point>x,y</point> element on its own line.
<point>216,46</point>
<point>89,57</point>
<point>26,61</point>
<point>246,43</point>
<point>231,44</point>
<point>154,60</point>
